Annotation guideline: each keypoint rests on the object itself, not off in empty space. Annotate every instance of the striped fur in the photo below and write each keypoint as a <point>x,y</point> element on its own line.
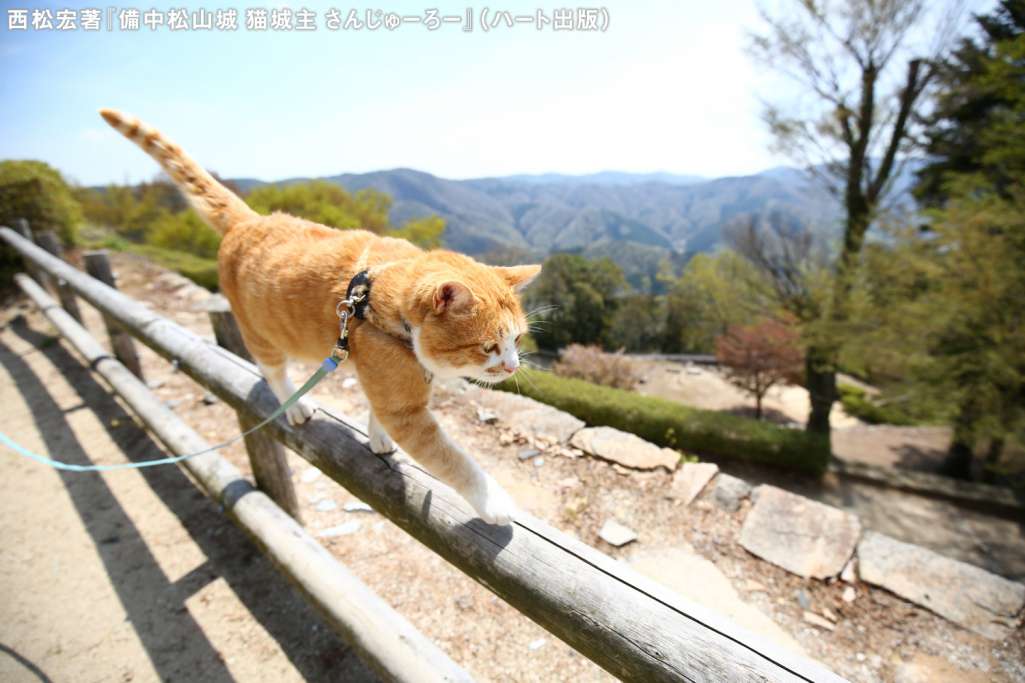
<point>218,205</point>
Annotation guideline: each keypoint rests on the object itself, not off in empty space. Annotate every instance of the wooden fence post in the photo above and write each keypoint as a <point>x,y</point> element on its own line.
<point>266,455</point>
<point>48,240</point>
<point>97,264</point>
<point>22,226</point>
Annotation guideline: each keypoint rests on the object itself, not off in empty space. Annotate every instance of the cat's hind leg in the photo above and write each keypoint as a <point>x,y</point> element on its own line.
<point>277,378</point>
<point>274,367</point>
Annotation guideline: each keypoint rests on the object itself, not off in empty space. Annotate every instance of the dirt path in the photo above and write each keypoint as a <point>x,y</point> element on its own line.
<point>128,575</point>
<point>149,582</point>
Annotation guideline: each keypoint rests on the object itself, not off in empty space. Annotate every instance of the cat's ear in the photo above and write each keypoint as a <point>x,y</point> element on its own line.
<point>451,296</point>
<point>518,277</point>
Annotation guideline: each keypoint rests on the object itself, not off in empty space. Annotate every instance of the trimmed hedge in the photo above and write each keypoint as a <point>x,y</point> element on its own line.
<point>857,403</point>
<point>674,425</point>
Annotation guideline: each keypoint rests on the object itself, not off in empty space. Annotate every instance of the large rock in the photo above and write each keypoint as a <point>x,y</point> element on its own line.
<point>526,414</point>
<point>798,534</point>
<point>729,491</point>
<point>691,480</point>
<point>700,581</point>
<point>624,448</point>
<point>985,603</point>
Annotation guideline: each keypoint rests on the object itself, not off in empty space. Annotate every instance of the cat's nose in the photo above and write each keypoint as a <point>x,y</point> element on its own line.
<point>511,365</point>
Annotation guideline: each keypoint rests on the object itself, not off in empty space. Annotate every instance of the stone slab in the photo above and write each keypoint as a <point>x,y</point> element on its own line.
<point>798,534</point>
<point>623,448</point>
<point>971,597</point>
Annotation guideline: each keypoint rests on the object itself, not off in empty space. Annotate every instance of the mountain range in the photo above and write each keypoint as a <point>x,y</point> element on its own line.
<point>638,220</point>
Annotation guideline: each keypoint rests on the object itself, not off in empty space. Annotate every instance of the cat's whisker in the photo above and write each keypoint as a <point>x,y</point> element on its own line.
<point>543,308</point>
<point>528,380</point>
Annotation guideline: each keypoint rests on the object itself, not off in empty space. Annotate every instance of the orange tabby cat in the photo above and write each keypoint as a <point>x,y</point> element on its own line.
<point>433,313</point>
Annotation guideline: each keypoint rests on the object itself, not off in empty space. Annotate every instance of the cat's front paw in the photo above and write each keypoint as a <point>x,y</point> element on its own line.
<point>491,502</point>
<point>380,442</point>
<point>301,411</point>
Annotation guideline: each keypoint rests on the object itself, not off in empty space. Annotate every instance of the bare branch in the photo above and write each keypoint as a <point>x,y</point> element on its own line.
<point>916,82</point>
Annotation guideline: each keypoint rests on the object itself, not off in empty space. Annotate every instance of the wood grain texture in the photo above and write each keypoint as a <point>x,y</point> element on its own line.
<point>48,240</point>
<point>629,625</point>
<point>383,638</point>
<point>21,225</point>
<point>97,264</point>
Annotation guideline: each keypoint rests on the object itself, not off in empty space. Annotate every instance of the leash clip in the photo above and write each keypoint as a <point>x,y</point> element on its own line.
<point>345,310</point>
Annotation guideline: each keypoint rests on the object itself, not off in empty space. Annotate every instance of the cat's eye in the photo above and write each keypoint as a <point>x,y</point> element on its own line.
<point>518,338</point>
<point>489,348</point>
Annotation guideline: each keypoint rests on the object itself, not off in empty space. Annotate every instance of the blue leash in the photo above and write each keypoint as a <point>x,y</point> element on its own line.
<point>346,309</point>
<point>327,367</point>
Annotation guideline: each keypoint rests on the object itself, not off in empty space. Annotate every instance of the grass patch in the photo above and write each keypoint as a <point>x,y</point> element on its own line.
<point>202,271</point>
<point>671,424</point>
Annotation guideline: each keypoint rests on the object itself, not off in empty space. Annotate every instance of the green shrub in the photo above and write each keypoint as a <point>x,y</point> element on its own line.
<point>670,424</point>
<point>857,403</point>
<point>184,232</point>
<point>36,192</point>
<point>591,364</point>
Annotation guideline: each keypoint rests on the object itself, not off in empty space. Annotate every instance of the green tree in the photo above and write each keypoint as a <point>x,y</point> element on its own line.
<point>576,298</point>
<point>714,292</point>
<point>131,210</point>
<point>974,246</point>
<point>326,203</point>
<point>638,324</point>
<point>423,232</point>
<point>977,355</point>
<point>977,123</point>
<point>847,129</point>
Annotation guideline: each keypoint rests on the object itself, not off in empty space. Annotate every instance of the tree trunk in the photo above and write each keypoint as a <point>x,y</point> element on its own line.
<point>961,455</point>
<point>758,406</point>
<point>821,360</point>
<point>958,463</point>
<point>993,454</point>
<point>820,379</point>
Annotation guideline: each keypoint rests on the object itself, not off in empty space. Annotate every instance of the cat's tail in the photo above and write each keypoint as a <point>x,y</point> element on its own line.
<point>219,206</point>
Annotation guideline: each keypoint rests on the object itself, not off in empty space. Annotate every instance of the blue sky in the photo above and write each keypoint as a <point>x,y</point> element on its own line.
<point>667,87</point>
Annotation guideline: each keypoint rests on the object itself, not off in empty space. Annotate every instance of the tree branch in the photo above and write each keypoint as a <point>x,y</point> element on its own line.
<point>913,87</point>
